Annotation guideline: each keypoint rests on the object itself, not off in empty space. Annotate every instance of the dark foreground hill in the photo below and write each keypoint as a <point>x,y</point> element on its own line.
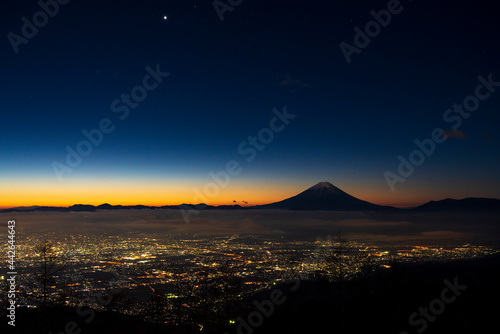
<point>455,297</point>
<point>62,320</point>
<point>405,299</point>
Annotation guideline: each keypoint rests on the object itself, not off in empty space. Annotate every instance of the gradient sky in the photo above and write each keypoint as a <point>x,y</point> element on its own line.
<point>225,78</point>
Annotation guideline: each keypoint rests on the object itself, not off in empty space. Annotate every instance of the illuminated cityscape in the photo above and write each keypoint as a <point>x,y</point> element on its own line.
<point>135,267</point>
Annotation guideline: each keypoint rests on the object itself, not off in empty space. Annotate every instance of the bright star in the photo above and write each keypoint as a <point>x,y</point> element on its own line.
<point>165,17</point>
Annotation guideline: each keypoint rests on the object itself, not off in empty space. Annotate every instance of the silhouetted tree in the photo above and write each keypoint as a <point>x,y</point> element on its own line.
<point>292,269</point>
<point>4,291</point>
<point>204,299</point>
<point>156,309</point>
<point>334,259</point>
<point>50,266</point>
<point>178,297</point>
<point>179,307</point>
<point>226,287</point>
<point>114,300</point>
<point>203,279</point>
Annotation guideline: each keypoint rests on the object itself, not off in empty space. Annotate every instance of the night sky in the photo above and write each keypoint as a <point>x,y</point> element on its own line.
<point>347,123</point>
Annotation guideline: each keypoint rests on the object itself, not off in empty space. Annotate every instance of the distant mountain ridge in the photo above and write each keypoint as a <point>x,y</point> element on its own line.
<point>461,205</point>
<point>322,196</point>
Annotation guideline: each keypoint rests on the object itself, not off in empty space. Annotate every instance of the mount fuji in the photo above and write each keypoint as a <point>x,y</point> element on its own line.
<point>325,196</point>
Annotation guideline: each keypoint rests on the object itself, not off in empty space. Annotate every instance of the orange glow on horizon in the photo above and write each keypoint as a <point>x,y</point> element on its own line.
<point>139,193</point>
<point>158,193</point>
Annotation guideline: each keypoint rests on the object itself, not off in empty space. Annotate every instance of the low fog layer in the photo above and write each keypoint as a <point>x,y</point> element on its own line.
<point>357,226</point>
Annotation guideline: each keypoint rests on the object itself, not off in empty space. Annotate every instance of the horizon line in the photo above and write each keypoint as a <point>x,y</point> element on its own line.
<point>191,204</point>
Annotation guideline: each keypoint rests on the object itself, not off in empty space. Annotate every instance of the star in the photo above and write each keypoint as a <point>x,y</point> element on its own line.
<point>165,17</point>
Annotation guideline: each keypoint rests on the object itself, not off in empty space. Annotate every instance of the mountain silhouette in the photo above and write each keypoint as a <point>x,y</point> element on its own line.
<point>325,196</point>
<point>470,204</point>
<point>322,196</point>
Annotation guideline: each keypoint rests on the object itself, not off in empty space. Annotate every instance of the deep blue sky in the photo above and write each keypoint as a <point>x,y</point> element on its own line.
<point>353,120</point>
